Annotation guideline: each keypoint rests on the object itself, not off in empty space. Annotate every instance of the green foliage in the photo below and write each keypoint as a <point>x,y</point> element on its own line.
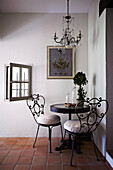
<point>80,80</point>
<point>81,93</point>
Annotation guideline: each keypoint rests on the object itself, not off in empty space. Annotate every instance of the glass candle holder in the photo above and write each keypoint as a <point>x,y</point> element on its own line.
<point>73,95</point>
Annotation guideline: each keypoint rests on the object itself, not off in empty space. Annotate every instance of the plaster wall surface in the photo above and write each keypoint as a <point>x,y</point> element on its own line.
<point>24,39</point>
<point>97,65</point>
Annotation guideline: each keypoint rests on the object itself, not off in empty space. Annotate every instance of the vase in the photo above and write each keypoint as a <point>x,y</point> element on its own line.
<point>73,96</point>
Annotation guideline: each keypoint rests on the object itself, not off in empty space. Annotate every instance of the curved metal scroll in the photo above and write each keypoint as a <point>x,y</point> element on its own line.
<point>91,120</point>
<point>36,105</point>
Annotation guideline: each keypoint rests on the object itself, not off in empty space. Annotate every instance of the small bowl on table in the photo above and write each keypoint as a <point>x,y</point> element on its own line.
<point>67,104</point>
<point>73,104</point>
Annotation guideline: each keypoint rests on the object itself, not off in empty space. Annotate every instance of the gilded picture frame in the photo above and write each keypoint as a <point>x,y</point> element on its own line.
<point>60,62</point>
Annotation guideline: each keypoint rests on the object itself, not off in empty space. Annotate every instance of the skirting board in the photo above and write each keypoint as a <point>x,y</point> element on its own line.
<point>109,159</point>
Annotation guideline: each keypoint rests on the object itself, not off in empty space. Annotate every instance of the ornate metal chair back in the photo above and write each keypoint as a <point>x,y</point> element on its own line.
<point>36,105</point>
<point>91,120</point>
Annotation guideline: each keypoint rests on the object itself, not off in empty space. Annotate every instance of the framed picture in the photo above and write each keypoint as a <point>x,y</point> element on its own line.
<point>60,62</point>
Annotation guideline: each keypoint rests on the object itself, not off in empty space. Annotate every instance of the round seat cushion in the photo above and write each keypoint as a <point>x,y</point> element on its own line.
<point>74,126</point>
<point>48,119</point>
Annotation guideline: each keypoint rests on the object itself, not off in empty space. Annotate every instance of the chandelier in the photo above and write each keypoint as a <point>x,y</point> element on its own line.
<point>68,39</point>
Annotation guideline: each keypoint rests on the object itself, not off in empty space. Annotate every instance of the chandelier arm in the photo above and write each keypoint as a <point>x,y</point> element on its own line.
<point>58,41</point>
<point>73,39</point>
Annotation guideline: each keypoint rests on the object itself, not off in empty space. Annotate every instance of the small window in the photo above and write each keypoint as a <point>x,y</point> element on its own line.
<point>18,81</point>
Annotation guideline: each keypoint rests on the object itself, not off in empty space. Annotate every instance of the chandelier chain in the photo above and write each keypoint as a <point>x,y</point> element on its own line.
<point>68,39</point>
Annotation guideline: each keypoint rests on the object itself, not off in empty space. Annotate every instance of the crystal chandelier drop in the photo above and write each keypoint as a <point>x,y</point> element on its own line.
<point>68,39</point>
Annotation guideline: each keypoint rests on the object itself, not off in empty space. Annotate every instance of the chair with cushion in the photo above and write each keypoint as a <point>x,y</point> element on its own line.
<point>36,105</point>
<point>86,123</point>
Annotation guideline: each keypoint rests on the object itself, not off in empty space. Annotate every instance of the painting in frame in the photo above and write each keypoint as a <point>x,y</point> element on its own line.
<point>60,62</point>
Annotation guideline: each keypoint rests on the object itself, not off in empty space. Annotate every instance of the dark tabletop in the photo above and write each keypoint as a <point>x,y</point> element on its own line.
<point>61,108</point>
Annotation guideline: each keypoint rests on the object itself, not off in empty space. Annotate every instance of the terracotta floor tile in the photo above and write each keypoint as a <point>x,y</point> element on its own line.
<point>66,160</point>
<point>38,167</point>
<point>25,160</point>
<point>83,155</point>
<point>22,167</point>
<point>12,139</point>
<point>21,142</point>
<point>7,167</point>
<point>83,160</point>
<point>54,153</point>
<point>31,139</point>
<point>20,152</point>
<point>43,143</point>
<point>93,160</point>
<point>23,138</point>
<point>54,167</point>
<point>10,142</point>
<point>3,139</point>
<point>85,167</point>
<point>56,143</point>
<point>54,160</point>
<point>18,147</point>
<point>30,142</point>
<point>66,152</point>
<point>10,160</point>
<point>2,142</point>
<point>41,153</point>
<point>1,160</point>
<point>28,153</point>
<point>100,167</point>
<point>3,153</point>
<point>67,167</point>
<point>6,147</point>
<point>14,153</point>
<point>43,138</point>
<point>39,160</point>
<point>42,147</point>
<point>29,147</point>
<point>56,139</point>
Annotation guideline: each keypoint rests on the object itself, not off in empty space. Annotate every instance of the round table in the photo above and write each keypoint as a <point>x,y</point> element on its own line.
<point>61,108</point>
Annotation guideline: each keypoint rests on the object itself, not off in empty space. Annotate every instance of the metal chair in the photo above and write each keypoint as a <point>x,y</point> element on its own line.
<point>83,128</point>
<point>36,105</point>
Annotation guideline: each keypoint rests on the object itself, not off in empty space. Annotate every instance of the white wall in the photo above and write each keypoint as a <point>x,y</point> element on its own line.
<point>24,39</point>
<point>97,64</point>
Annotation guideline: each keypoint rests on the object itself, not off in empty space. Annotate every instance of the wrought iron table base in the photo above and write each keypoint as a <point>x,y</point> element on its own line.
<point>67,144</point>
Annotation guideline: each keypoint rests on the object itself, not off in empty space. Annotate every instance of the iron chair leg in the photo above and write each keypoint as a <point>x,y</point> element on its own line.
<point>94,147</point>
<point>50,139</point>
<point>61,133</point>
<point>73,141</point>
<point>63,143</point>
<point>36,136</point>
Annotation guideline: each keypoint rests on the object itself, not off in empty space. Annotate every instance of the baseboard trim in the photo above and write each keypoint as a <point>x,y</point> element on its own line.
<point>104,158</point>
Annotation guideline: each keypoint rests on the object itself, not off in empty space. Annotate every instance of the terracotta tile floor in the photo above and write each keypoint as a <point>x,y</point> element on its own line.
<point>18,154</point>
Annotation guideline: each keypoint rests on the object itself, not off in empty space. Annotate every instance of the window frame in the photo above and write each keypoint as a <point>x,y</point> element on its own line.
<point>11,81</point>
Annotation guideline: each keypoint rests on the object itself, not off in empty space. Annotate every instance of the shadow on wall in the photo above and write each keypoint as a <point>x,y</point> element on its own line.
<point>95,25</point>
<point>94,85</point>
<point>11,23</point>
